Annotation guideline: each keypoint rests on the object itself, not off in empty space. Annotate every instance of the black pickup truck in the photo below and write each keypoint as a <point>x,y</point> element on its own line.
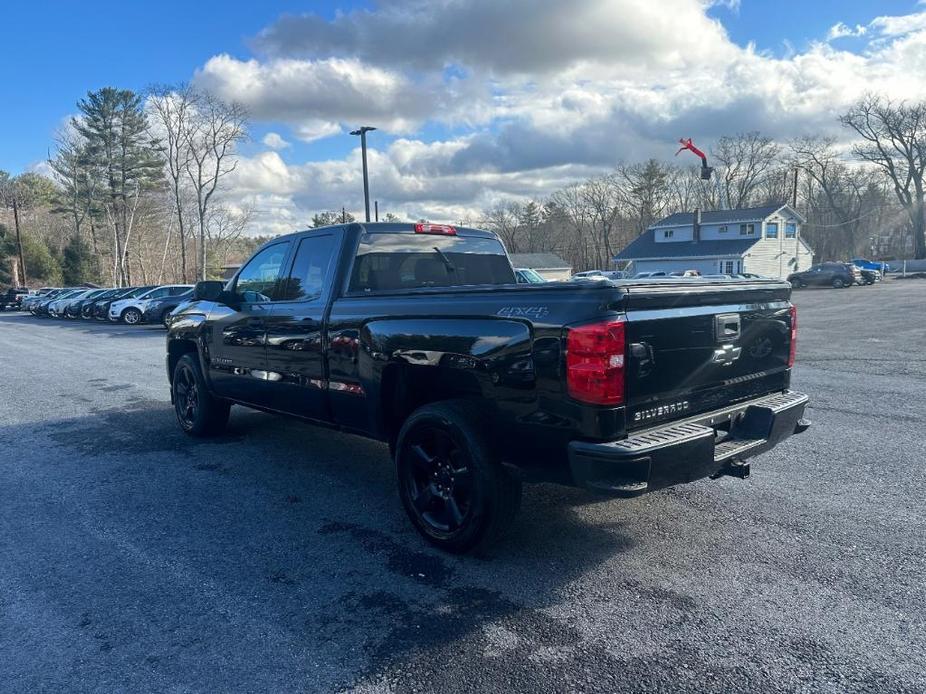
<point>419,335</point>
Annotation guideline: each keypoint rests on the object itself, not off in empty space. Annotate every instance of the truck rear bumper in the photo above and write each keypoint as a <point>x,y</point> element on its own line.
<point>714,443</point>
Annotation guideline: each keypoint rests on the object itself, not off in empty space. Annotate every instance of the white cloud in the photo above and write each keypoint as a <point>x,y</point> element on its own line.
<point>840,30</point>
<point>535,93</point>
<point>316,95</point>
<point>516,36</point>
<point>275,141</point>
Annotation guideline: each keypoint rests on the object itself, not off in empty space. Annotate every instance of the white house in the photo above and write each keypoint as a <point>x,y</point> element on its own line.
<point>762,240</point>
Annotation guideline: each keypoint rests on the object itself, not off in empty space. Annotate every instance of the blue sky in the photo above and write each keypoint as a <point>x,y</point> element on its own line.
<point>512,119</point>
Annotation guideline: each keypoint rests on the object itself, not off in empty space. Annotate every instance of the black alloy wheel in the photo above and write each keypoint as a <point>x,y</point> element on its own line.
<point>439,480</point>
<point>198,412</point>
<point>451,483</point>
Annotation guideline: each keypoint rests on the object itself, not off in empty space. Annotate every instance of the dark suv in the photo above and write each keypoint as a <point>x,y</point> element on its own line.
<point>836,275</point>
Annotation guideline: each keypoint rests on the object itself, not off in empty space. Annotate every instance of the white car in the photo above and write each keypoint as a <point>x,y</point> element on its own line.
<point>56,307</point>
<point>131,310</point>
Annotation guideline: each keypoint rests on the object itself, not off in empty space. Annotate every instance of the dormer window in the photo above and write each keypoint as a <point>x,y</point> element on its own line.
<point>747,229</point>
<point>668,233</point>
<point>790,230</point>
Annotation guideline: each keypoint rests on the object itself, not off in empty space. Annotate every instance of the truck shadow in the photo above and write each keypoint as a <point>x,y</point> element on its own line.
<point>301,531</point>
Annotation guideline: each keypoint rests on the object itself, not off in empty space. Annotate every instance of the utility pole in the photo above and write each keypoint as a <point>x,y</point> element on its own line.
<point>19,242</point>
<point>376,210</point>
<point>794,192</point>
<point>362,131</point>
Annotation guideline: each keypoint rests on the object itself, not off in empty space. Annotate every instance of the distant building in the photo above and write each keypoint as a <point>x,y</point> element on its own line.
<point>548,265</point>
<point>762,240</point>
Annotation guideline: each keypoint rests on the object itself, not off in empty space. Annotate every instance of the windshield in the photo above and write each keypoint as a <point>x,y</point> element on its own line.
<point>397,261</point>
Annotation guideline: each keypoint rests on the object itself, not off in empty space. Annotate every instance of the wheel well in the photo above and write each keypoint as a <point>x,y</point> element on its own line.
<point>175,350</point>
<point>406,388</point>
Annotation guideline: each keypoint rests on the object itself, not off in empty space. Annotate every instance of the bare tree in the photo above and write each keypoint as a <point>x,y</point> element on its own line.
<point>742,161</point>
<point>173,109</point>
<point>503,220</point>
<point>214,131</point>
<point>894,140</point>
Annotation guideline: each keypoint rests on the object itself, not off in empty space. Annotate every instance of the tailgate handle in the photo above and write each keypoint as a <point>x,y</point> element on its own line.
<point>726,327</point>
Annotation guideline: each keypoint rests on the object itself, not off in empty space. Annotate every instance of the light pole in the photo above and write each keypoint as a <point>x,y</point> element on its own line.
<point>362,131</point>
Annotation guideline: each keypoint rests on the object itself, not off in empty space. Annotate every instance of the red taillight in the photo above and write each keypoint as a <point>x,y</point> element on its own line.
<point>595,363</point>
<point>442,229</point>
<point>793,348</point>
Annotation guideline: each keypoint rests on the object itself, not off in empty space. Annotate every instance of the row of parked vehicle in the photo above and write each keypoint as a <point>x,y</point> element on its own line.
<point>839,275</point>
<point>130,305</point>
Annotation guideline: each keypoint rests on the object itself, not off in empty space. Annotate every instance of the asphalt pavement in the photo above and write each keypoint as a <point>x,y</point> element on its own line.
<point>277,557</point>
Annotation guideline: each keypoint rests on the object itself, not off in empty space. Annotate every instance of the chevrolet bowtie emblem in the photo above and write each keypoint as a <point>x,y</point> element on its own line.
<point>726,355</point>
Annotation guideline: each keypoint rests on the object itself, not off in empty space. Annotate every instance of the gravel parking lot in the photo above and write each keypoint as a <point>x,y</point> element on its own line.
<point>277,558</point>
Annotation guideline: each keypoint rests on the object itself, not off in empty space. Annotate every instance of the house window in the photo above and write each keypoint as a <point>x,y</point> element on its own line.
<point>668,233</point>
<point>722,229</point>
<point>747,229</point>
<point>728,267</point>
<point>771,230</point>
<point>790,230</point>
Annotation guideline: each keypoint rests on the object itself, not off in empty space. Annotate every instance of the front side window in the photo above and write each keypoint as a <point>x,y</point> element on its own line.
<point>771,230</point>
<point>256,280</point>
<point>311,268</point>
<point>790,230</point>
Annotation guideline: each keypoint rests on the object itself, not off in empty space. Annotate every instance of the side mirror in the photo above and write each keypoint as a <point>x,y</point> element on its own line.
<point>208,290</point>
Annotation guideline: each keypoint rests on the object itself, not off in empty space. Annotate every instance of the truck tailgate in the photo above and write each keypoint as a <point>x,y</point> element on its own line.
<point>696,346</point>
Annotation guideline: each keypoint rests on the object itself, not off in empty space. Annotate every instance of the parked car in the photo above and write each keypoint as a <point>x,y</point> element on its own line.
<point>74,307</point>
<point>36,296</point>
<point>100,310</point>
<point>836,275</point>
<point>649,275</point>
<point>877,266</point>
<point>12,298</point>
<point>58,308</point>
<point>86,309</point>
<point>525,275</point>
<point>40,306</point>
<point>417,335</point>
<point>869,276</point>
<point>132,309</point>
<point>600,274</point>
<point>157,310</point>
<point>51,307</point>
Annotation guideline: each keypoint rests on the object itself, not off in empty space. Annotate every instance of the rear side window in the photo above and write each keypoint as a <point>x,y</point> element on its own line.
<point>311,267</point>
<point>396,261</point>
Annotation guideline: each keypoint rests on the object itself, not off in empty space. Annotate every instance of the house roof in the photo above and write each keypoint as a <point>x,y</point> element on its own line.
<point>539,261</point>
<point>745,214</point>
<point>645,246</point>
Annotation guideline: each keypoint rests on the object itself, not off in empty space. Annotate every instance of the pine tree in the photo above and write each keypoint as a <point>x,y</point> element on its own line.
<point>120,148</point>
<point>78,264</point>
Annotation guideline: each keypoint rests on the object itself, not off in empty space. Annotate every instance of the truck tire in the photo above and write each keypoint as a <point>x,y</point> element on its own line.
<point>451,483</point>
<point>199,413</point>
<point>131,316</point>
